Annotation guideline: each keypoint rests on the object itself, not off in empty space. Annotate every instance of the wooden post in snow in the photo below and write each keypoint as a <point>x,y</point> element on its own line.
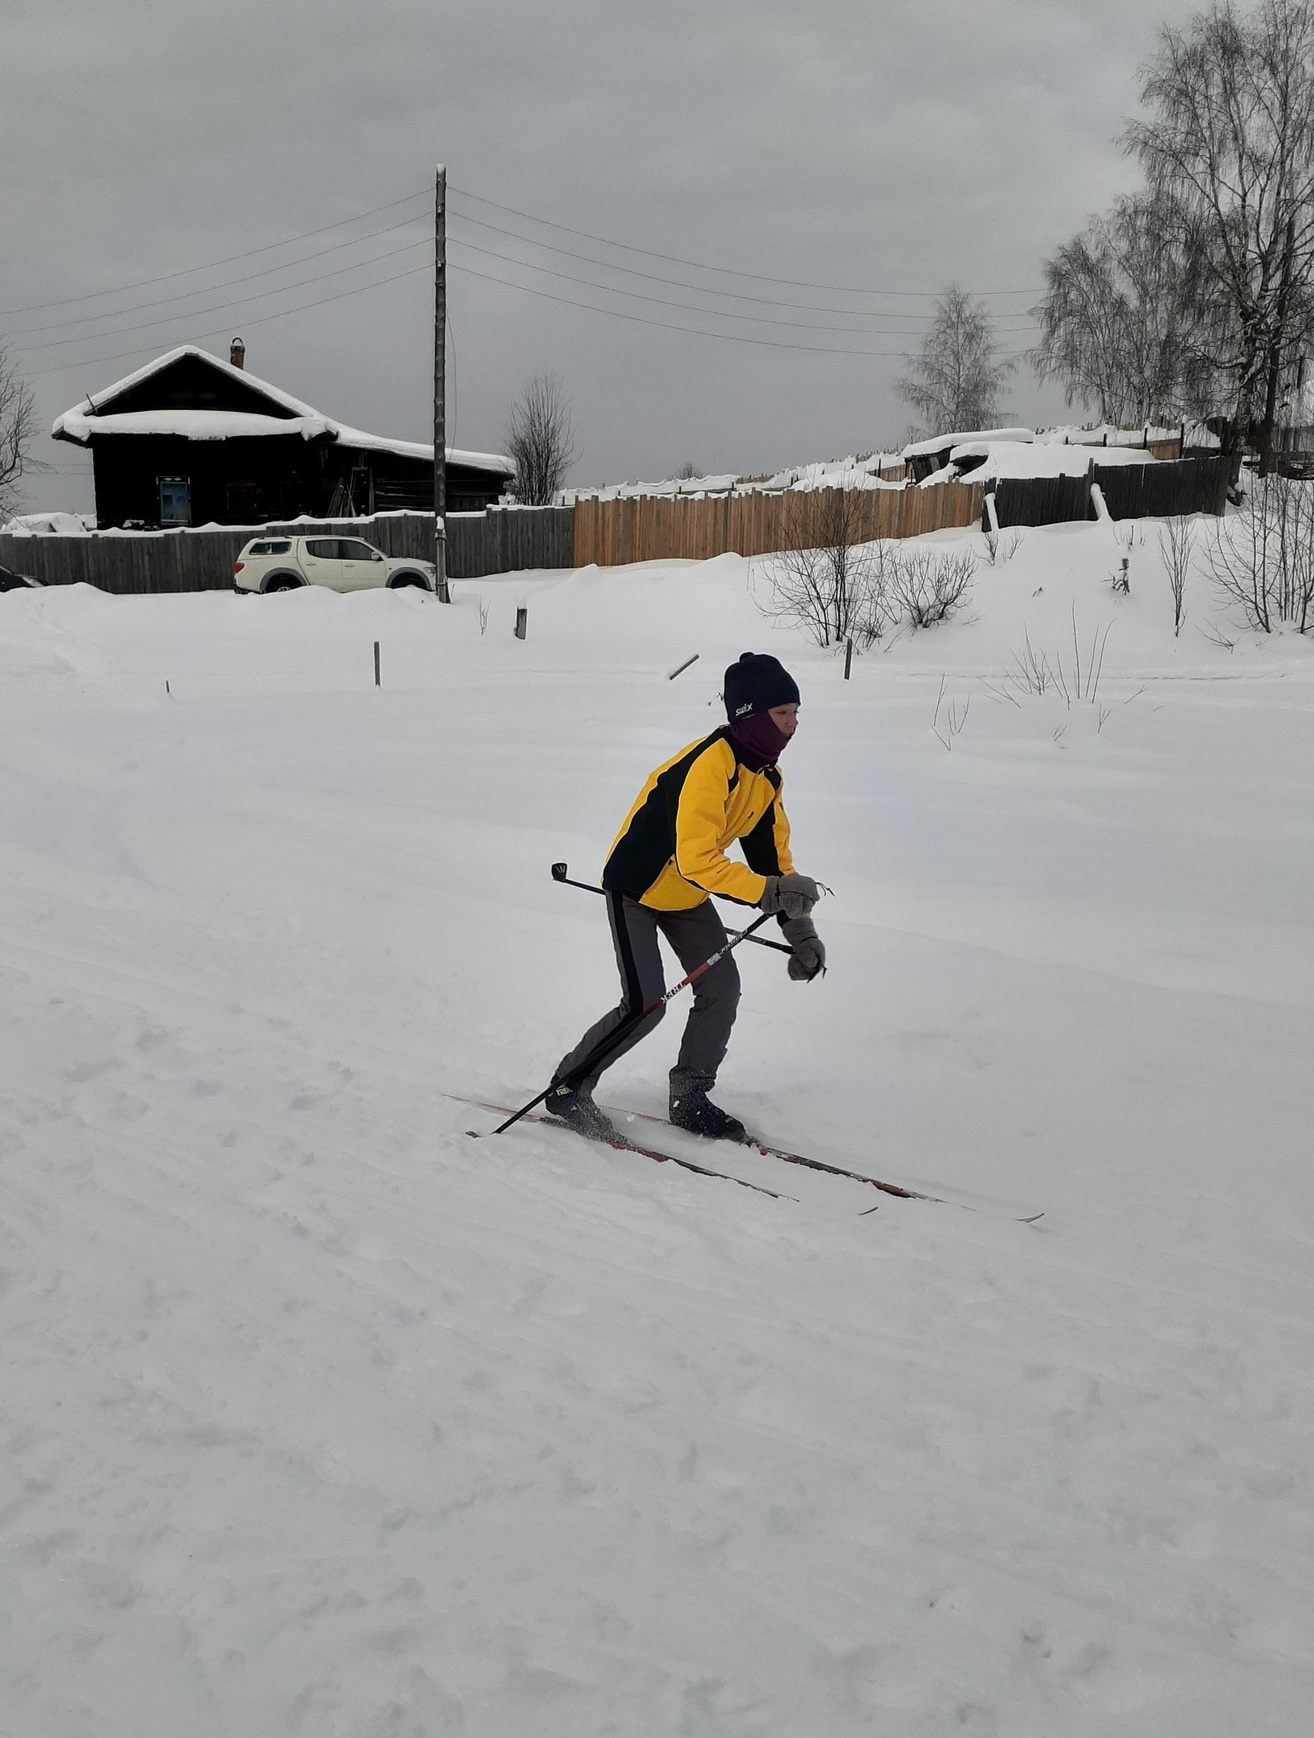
<point>440,382</point>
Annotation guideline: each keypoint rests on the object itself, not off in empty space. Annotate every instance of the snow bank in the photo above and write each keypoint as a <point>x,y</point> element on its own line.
<point>321,1416</point>
<point>49,525</point>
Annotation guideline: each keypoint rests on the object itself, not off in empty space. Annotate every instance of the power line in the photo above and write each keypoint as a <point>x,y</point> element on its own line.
<point>696,331</point>
<point>206,289</point>
<point>218,331</point>
<point>587,306</point>
<point>726,271</point>
<point>240,301</point>
<point>716,313</point>
<point>680,283</point>
<point>229,259</point>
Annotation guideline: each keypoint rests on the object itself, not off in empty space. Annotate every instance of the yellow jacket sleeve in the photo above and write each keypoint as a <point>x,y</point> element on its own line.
<point>700,825</point>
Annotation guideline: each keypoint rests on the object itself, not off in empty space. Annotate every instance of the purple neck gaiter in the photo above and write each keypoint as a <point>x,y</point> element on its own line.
<point>758,740</point>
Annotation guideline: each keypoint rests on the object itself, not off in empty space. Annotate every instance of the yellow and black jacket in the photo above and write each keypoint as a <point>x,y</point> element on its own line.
<point>670,854</point>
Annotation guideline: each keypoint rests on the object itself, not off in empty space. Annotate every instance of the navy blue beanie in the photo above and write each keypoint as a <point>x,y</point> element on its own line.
<point>756,683</point>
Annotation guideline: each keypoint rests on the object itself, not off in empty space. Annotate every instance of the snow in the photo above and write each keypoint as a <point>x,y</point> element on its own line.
<point>1006,459</point>
<point>55,524</point>
<point>1110,435</point>
<point>191,425</point>
<point>321,1417</point>
<point>851,473</point>
<point>920,449</point>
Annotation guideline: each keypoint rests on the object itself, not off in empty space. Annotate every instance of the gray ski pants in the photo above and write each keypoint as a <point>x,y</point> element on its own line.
<point>694,935</point>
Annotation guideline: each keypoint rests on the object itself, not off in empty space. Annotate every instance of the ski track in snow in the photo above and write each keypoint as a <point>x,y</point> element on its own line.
<point>319,1417</point>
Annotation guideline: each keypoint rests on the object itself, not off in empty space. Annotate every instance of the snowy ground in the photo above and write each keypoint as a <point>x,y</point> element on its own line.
<point>319,1417</point>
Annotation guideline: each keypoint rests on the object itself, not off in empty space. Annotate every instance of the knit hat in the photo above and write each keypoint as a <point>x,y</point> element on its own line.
<point>756,683</point>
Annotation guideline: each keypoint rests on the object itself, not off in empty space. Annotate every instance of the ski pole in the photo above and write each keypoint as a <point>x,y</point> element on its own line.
<point>627,1025</point>
<point>559,874</point>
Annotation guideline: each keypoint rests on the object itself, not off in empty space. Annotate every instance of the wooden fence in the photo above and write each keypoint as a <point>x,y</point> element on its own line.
<point>616,533</point>
<point>508,539</point>
<point>1043,500</point>
<point>1159,491</point>
<point>1163,491</point>
<point>131,562</point>
<point>664,528</point>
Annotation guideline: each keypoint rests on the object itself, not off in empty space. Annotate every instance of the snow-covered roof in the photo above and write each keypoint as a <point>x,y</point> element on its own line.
<point>192,425</point>
<point>92,417</point>
<point>938,443</point>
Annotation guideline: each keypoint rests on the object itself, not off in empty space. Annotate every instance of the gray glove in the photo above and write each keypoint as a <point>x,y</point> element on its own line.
<point>809,956</point>
<point>794,895</point>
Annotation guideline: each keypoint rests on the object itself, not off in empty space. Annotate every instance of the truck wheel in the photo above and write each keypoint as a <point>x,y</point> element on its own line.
<point>400,579</point>
<point>283,582</point>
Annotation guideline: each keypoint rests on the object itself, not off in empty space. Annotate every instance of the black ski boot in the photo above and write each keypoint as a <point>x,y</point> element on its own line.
<point>691,1109</point>
<point>575,1107</point>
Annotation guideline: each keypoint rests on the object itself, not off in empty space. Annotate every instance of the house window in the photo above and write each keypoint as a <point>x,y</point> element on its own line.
<point>175,500</point>
<point>243,503</point>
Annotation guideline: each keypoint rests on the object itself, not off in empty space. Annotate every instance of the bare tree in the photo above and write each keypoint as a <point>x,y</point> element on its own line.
<point>955,381</point>
<point>17,429</point>
<point>540,440</point>
<point>687,470</point>
<point>1176,546</point>
<point>1262,558</point>
<point>1119,324</point>
<point>1230,149</point>
<point>828,578</point>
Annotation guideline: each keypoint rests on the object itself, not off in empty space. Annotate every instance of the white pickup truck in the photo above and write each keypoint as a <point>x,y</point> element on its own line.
<point>341,563</point>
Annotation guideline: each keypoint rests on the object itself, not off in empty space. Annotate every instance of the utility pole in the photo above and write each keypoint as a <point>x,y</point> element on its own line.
<point>440,381</point>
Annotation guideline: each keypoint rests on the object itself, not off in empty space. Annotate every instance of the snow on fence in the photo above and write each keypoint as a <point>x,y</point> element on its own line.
<point>656,528</point>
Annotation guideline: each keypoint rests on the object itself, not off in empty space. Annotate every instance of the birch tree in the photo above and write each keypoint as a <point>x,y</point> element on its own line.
<point>1229,148</point>
<point>955,382</point>
<point>1120,327</point>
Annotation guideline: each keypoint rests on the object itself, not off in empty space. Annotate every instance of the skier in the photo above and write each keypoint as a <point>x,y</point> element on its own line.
<point>667,859</point>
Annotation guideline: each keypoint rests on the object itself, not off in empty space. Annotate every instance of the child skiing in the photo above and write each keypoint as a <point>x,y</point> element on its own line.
<point>667,859</point>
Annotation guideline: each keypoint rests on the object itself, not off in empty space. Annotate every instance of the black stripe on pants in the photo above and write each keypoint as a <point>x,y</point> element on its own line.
<point>694,935</point>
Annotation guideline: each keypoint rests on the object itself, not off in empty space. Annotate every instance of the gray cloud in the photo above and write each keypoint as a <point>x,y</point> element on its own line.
<point>853,142</point>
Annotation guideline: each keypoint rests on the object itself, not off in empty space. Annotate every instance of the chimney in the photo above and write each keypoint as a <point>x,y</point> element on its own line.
<point>237,353</point>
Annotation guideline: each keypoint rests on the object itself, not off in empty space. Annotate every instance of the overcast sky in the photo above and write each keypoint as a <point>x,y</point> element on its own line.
<point>858,145</point>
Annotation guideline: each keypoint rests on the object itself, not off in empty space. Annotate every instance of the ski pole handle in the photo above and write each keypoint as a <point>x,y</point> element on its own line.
<point>559,874</point>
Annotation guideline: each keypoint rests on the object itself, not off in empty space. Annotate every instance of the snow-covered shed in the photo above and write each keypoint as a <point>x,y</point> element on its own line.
<point>925,458</point>
<point>192,440</point>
